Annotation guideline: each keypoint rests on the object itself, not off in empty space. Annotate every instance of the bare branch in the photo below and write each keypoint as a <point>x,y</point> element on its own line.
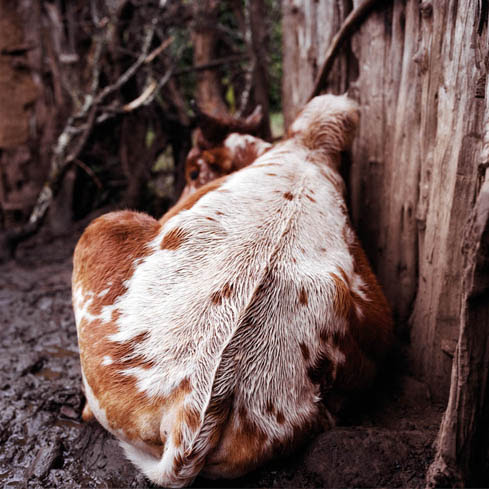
<point>89,172</point>
<point>156,52</point>
<point>351,23</point>
<point>132,70</point>
<point>145,95</point>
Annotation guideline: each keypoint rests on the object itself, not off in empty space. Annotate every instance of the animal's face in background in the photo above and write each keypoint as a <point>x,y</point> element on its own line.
<point>235,152</point>
<point>222,145</point>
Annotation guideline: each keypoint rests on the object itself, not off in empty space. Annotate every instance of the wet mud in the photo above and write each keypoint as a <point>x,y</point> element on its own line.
<point>384,440</point>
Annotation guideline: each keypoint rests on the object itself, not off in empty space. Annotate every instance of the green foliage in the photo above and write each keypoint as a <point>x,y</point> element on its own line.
<point>277,124</point>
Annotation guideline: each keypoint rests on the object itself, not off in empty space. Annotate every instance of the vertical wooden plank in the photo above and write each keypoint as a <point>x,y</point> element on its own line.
<point>451,138</point>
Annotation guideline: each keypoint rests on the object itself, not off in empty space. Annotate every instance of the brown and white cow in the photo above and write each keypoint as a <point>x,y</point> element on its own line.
<point>209,338</point>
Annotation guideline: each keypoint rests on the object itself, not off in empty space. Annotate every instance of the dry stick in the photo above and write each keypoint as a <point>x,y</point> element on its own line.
<point>350,24</point>
<point>156,52</point>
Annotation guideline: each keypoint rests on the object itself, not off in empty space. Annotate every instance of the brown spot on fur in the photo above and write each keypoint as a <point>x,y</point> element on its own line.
<point>312,199</point>
<point>270,409</point>
<point>216,297</point>
<point>305,351</point>
<point>368,335</point>
<point>107,253</point>
<point>303,297</point>
<point>227,290</point>
<point>191,200</point>
<point>288,196</point>
<point>140,338</point>
<point>242,447</point>
<point>185,386</point>
<point>344,276</point>
<point>374,329</point>
<point>342,302</point>
<point>210,219</point>
<point>173,239</point>
<point>178,463</point>
<point>123,353</point>
<point>280,417</point>
<point>191,417</point>
<point>178,437</point>
<point>271,174</point>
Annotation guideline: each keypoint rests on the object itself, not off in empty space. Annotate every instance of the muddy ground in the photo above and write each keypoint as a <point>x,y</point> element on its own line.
<point>385,438</point>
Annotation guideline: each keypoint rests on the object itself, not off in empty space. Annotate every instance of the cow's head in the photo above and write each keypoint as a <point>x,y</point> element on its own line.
<point>222,146</point>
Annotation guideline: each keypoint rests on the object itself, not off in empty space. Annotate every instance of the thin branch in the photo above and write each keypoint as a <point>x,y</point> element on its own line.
<point>89,172</point>
<point>213,64</point>
<point>350,24</point>
<point>131,71</point>
<point>156,52</point>
<point>145,95</point>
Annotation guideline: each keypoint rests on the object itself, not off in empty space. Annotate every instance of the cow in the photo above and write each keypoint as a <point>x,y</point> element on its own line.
<point>213,339</point>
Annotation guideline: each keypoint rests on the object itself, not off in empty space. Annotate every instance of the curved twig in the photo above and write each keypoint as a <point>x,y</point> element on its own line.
<point>350,24</point>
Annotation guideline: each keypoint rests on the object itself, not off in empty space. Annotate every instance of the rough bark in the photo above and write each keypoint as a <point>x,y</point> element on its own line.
<point>26,121</point>
<point>259,43</point>
<point>204,38</point>
<point>461,458</point>
<point>418,70</point>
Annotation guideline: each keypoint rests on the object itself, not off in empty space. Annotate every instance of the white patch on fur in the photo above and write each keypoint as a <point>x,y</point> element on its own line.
<point>107,360</point>
<point>104,292</point>
<point>82,302</point>
<point>236,142</point>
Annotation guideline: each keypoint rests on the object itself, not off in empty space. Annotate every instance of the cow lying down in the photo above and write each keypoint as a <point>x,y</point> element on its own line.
<point>209,338</point>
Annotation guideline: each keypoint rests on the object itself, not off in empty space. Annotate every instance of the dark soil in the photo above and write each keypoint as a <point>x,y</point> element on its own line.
<point>385,439</point>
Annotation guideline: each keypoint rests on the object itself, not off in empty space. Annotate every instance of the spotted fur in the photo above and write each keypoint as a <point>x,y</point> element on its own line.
<point>209,338</point>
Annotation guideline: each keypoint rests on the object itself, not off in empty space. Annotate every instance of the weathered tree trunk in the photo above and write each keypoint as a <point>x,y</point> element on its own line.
<point>259,42</point>
<point>463,441</point>
<point>418,70</point>
<point>204,37</point>
<point>25,121</point>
